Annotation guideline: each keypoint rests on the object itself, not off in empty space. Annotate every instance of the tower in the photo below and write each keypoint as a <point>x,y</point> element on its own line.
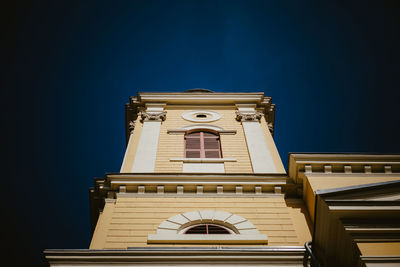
<point>202,183</point>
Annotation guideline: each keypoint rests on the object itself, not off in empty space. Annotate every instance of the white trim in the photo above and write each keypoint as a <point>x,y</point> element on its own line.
<point>211,115</point>
<point>201,167</point>
<point>204,160</point>
<point>145,158</point>
<point>364,208</point>
<point>261,159</point>
<point>213,239</point>
<point>246,108</point>
<point>155,107</point>
<point>183,129</point>
<point>202,98</point>
<point>172,229</point>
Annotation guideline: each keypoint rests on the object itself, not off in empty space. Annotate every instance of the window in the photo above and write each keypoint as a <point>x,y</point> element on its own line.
<point>202,144</point>
<point>201,116</point>
<point>207,229</point>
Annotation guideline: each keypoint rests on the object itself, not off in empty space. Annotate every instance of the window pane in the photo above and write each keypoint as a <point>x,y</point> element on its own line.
<point>211,143</point>
<point>212,153</point>
<point>192,154</point>
<point>217,230</point>
<point>192,143</point>
<point>197,230</point>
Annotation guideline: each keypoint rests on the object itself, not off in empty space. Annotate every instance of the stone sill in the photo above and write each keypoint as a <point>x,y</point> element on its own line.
<point>183,131</point>
<point>203,160</point>
<point>207,239</point>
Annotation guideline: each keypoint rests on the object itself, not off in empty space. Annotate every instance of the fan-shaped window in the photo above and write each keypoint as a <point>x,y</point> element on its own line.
<point>207,229</point>
<point>202,144</point>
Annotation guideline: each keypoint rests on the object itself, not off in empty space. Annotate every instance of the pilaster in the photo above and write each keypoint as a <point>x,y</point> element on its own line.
<point>261,158</point>
<point>145,158</point>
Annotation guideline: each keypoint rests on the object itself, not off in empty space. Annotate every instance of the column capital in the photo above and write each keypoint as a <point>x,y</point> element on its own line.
<point>132,126</point>
<point>152,116</point>
<point>253,116</point>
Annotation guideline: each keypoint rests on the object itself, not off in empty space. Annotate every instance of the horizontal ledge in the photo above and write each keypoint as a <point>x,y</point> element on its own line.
<point>186,176</point>
<point>332,162</point>
<point>183,131</point>
<point>208,239</point>
<point>365,230</point>
<point>195,195</point>
<point>198,182</point>
<point>203,160</point>
<point>364,208</point>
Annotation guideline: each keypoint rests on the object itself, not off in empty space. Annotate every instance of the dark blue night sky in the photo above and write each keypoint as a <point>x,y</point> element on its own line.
<point>332,69</point>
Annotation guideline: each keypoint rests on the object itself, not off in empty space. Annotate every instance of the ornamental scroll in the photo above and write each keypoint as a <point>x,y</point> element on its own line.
<point>146,116</point>
<point>255,116</point>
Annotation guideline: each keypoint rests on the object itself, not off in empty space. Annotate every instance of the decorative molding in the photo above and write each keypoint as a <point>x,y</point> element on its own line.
<point>220,189</point>
<point>258,190</point>
<point>328,168</point>
<point>271,127</point>
<point>132,126</point>
<point>210,116</point>
<point>202,98</point>
<point>199,189</point>
<point>179,189</point>
<point>141,189</point>
<point>147,116</point>
<point>202,195</point>
<point>206,239</point>
<point>184,129</point>
<point>343,164</point>
<point>367,169</point>
<point>278,190</point>
<point>388,169</point>
<point>172,230</point>
<point>122,189</point>
<point>201,257</point>
<point>347,169</point>
<point>160,189</point>
<point>239,189</point>
<point>254,116</point>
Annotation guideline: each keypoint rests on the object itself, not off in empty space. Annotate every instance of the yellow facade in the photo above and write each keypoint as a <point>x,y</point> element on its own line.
<point>172,145</point>
<point>128,221</point>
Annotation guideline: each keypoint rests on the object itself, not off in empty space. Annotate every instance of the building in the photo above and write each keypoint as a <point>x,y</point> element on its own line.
<point>202,183</point>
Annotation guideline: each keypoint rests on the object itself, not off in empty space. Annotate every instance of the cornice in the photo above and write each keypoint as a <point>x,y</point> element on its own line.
<point>190,255</point>
<point>342,163</point>
<point>202,98</point>
<point>199,176</point>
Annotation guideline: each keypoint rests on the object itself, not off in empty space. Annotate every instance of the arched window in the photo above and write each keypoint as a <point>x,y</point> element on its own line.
<point>202,144</point>
<point>207,229</point>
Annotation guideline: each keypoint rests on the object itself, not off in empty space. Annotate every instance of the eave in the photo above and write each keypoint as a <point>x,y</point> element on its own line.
<point>166,256</point>
<point>202,98</point>
<point>341,163</point>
